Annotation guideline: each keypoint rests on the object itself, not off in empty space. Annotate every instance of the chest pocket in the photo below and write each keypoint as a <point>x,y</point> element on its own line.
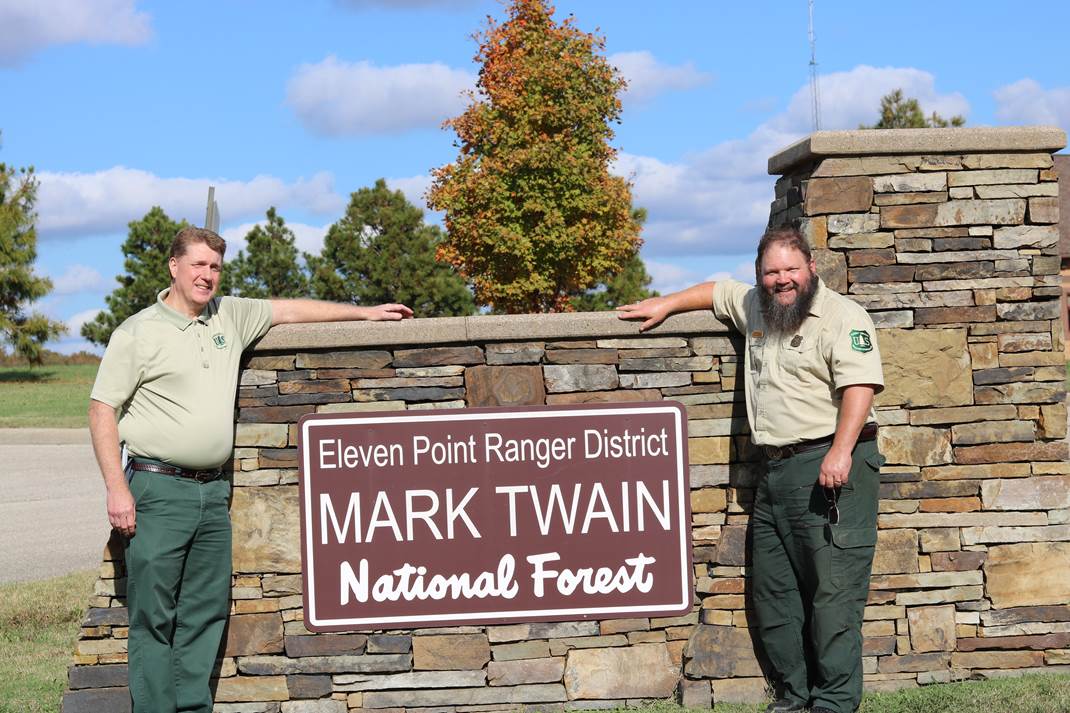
<point>800,357</point>
<point>756,354</point>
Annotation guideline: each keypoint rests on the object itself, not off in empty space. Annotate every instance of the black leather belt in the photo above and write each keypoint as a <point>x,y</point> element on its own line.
<point>201,476</point>
<point>868,433</point>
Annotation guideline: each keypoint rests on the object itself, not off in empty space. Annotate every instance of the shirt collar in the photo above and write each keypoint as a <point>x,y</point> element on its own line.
<point>181,321</point>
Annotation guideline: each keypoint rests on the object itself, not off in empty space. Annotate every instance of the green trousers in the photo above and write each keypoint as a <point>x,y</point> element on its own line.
<point>177,590</point>
<point>811,575</point>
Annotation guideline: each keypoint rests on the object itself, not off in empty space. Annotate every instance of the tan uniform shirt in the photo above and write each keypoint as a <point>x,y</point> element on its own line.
<point>793,380</point>
<point>174,378</point>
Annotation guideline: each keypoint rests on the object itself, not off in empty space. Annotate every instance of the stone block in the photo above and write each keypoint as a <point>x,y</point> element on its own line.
<point>858,241</point>
<point>709,500</point>
<point>853,223</point>
<point>301,686</point>
<point>521,650</point>
<point>884,199</point>
<point>897,552</point>
<point>110,676</point>
<point>991,535</point>
<point>881,273</point>
<point>1021,643</point>
<point>988,177</point>
<point>910,182</point>
<point>1037,493</point>
<point>251,634</point>
<point>412,679</point>
<point>562,378</point>
<point>871,257</point>
<point>1025,236</point>
<point>1053,421</point>
<point>997,659</point>
<point>695,694</point>
<point>1011,452</point>
<point>251,688</point>
<point>344,360</point>
<point>711,450</point>
<point>961,414</point>
<point>325,645</point>
<point>1010,211</point>
<point>450,652</point>
<point>588,397</point>
<point>929,367</point>
<point>932,628</point>
<point>581,356</point>
<point>282,666</point>
<point>957,561</point>
<point>915,445</point>
<point>721,652</point>
<point>515,353</point>
<point>992,432</point>
<point>832,268</point>
<point>1044,210</point>
<point>1028,574</point>
<point>838,195</point>
<point>608,673</point>
<point>954,315</point>
<point>504,386</point>
<point>325,706</point>
<point>732,547</point>
<point>97,700</point>
<point>439,356</point>
<point>908,216</point>
<point>1048,309</point>
<point>444,700</point>
<point>913,663</point>
<point>513,673</point>
<point>654,380</point>
<point>266,530</point>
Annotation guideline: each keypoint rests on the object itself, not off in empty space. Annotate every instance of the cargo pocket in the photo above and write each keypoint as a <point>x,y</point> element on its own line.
<point>876,460</point>
<point>852,555</point>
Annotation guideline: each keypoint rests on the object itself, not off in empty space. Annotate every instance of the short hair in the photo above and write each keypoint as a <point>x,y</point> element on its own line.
<point>789,236</point>
<point>189,235</point>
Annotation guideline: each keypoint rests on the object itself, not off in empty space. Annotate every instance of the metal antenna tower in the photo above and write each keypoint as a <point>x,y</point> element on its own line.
<point>815,96</point>
<point>211,214</point>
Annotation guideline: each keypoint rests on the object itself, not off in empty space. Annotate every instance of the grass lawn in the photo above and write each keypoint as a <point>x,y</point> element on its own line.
<point>38,626</point>
<point>46,396</point>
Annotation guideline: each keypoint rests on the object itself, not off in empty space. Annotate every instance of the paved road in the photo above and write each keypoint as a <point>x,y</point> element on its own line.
<point>52,516</point>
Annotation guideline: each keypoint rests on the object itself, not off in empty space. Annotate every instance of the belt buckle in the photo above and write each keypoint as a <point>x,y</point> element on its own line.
<point>203,476</point>
<point>774,452</point>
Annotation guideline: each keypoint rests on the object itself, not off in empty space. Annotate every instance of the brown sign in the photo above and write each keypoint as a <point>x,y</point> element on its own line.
<point>494,515</point>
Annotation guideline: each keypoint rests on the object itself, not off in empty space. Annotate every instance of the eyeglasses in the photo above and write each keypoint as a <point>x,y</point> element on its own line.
<point>830,500</point>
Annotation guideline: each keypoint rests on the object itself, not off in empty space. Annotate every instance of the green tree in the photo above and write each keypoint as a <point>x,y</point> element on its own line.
<point>268,267</point>
<point>147,248</point>
<point>382,251</point>
<point>26,332</point>
<point>629,284</point>
<point>898,112</point>
<point>532,214</point>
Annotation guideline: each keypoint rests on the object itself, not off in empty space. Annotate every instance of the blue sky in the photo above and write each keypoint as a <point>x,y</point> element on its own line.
<point>121,105</point>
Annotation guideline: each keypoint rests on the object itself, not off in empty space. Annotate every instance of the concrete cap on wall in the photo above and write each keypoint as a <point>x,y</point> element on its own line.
<point>871,142</point>
<point>484,328</point>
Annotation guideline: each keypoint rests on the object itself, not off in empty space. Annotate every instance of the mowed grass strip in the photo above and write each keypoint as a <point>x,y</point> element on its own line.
<point>46,396</point>
<point>38,627</point>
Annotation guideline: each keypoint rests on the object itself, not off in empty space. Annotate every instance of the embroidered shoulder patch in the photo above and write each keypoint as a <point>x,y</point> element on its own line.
<point>860,341</point>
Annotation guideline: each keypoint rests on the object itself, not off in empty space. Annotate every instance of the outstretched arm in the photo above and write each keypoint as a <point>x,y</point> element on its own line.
<point>302,310</point>
<point>655,309</point>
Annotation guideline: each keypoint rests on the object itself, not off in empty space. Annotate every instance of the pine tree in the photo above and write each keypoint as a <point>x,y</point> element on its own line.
<point>147,249</point>
<point>268,266</point>
<point>26,332</point>
<point>898,112</point>
<point>533,215</point>
<point>382,251</point>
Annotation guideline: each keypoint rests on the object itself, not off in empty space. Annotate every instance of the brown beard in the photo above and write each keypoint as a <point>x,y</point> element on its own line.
<point>786,319</point>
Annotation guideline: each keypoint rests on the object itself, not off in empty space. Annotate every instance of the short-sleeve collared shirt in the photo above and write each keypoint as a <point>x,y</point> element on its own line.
<point>174,378</point>
<point>793,380</point>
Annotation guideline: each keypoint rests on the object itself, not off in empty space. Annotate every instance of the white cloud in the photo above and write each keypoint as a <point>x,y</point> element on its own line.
<point>337,98</point>
<point>71,204</point>
<point>307,238</point>
<point>647,77</point>
<point>1026,102</point>
<point>414,187</point>
<point>79,278</point>
<point>26,27</point>
<point>74,322</point>
<point>717,201</point>
<point>744,272</point>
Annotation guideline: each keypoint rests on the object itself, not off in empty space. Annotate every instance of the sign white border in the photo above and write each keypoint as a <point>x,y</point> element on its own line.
<point>682,493</point>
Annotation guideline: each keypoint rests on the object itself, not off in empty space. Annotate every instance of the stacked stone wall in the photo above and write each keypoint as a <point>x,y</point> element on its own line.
<point>952,253</point>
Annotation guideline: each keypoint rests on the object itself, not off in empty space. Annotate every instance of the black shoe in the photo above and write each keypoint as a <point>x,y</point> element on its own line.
<point>784,705</point>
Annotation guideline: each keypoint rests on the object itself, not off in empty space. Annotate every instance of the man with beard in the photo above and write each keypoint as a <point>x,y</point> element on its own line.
<point>811,371</point>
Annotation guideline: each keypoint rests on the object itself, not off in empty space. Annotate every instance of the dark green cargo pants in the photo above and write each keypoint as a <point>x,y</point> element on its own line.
<point>811,577</point>
<point>178,567</point>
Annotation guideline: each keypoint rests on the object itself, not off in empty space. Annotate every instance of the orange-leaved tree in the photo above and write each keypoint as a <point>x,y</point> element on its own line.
<point>532,213</point>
